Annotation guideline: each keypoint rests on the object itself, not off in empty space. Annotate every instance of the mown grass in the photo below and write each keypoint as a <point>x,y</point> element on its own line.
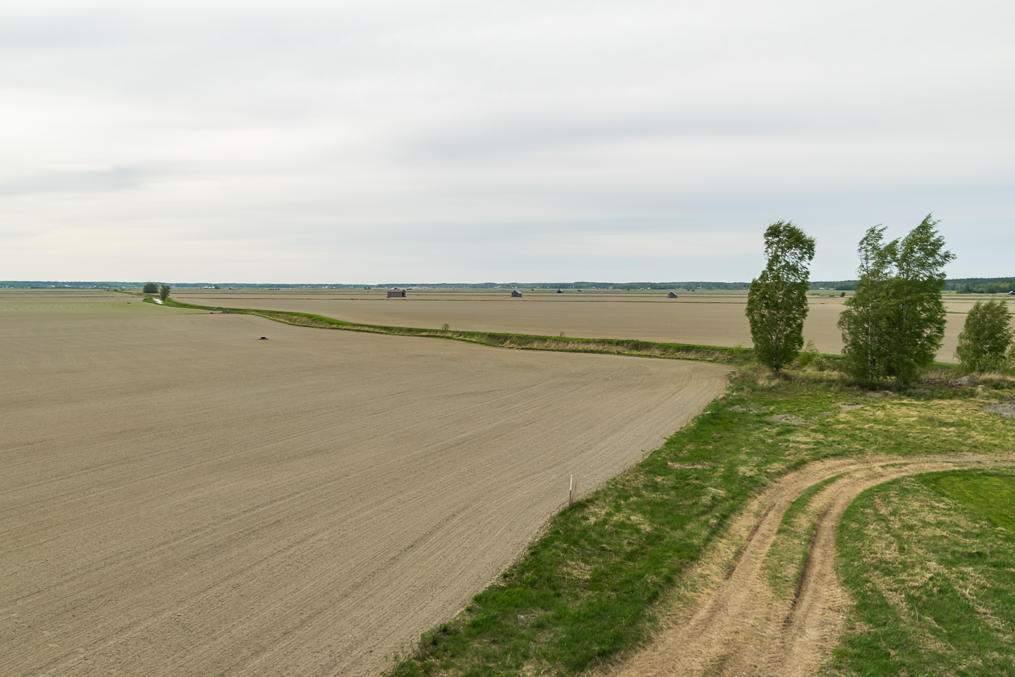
<point>989,495</point>
<point>929,562</point>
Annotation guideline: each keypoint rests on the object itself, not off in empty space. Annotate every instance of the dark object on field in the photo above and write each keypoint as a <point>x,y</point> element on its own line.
<point>396,293</point>
<point>263,338</point>
<point>560,291</point>
<point>516,294</point>
<point>1011,293</point>
<point>226,311</point>
<point>672,295</point>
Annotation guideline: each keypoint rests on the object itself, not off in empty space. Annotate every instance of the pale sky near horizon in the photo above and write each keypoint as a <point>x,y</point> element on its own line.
<point>387,140</point>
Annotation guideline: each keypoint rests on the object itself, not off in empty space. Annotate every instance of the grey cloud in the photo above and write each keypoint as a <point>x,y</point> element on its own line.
<point>351,130</point>
<point>77,181</point>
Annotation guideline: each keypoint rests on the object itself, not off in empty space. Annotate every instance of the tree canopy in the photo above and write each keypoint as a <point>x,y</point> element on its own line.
<point>893,325</point>
<point>777,299</point>
<point>985,338</point>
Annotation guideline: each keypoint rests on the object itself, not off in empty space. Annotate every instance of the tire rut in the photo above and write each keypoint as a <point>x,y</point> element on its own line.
<point>734,624</point>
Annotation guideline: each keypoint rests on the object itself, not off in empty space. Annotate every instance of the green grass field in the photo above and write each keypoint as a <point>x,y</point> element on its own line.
<point>930,562</point>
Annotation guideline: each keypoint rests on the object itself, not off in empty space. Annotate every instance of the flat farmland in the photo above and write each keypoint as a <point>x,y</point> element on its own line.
<point>179,497</point>
<point>700,318</point>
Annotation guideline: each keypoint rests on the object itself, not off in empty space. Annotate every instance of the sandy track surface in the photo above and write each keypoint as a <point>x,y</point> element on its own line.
<point>703,319</point>
<point>734,625</point>
<point>179,497</point>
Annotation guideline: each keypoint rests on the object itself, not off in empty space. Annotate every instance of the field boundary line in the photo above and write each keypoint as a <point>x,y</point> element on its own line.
<point>607,346</point>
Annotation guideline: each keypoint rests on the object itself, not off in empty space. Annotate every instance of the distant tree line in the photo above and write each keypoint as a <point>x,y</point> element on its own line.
<point>981,285</point>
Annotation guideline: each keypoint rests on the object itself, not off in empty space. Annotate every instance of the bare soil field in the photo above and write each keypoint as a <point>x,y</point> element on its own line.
<point>179,497</point>
<point>706,319</point>
<point>734,625</point>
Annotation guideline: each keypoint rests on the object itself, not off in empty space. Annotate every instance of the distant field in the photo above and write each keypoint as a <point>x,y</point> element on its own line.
<point>694,317</point>
<point>72,302</point>
<point>179,497</point>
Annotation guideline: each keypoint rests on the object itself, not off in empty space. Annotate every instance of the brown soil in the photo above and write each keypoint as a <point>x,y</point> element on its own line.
<point>179,497</point>
<point>698,318</point>
<point>733,624</point>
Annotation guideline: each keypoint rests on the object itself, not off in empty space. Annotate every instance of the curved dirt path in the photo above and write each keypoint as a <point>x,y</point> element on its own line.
<point>735,625</point>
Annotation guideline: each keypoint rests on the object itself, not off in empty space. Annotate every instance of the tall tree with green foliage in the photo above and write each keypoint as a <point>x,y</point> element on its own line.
<point>150,288</point>
<point>164,292</point>
<point>985,338</point>
<point>893,325</point>
<point>777,299</point>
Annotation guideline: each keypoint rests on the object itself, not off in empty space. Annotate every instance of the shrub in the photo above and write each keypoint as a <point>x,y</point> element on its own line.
<point>985,338</point>
<point>808,355</point>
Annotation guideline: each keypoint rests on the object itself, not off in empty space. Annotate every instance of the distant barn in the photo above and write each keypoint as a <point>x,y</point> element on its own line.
<point>515,294</point>
<point>396,293</point>
<point>672,295</point>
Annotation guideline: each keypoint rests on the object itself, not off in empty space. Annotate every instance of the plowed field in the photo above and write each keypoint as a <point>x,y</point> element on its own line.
<point>180,497</point>
<point>698,318</point>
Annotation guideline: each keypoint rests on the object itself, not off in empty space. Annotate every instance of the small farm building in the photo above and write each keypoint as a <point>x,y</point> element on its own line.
<point>672,295</point>
<point>515,294</point>
<point>396,293</point>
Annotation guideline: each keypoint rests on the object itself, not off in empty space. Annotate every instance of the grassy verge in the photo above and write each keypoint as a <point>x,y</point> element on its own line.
<point>928,560</point>
<point>584,593</point>
<point>612,346</point>
<point>785,561</point>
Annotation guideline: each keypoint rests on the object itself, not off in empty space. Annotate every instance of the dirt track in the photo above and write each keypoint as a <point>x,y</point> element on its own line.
<point>734,625</point>
<point>179,497</point>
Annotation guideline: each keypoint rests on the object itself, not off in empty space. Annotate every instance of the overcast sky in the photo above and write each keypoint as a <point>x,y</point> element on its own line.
<point>408,140</point>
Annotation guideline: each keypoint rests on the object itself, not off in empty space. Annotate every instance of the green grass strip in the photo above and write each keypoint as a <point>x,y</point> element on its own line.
<point>612,346</point>
<point>786,560</point>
